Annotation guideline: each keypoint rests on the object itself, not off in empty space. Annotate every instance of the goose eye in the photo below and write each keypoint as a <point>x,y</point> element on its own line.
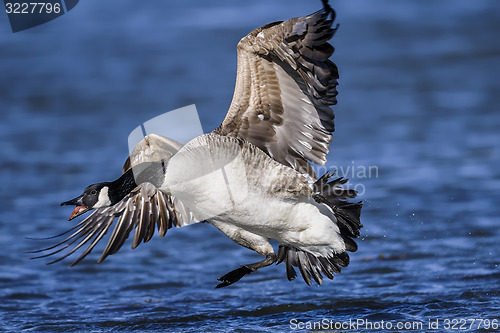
<point>93,192</point>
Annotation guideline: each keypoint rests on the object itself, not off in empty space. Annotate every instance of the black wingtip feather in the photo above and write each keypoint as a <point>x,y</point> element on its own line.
<point>327,6</point>
<point>347,213</point>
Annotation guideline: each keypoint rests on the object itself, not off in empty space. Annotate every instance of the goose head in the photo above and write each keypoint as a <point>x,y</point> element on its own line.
<point>93,197</point>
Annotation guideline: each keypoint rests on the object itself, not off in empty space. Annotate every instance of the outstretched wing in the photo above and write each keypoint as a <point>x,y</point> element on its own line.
<point>145,209</point>
<point>142,211</point>
<point>284,88</point>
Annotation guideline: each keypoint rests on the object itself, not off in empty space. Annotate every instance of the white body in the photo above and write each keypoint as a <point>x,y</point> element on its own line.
<point>246,194</point>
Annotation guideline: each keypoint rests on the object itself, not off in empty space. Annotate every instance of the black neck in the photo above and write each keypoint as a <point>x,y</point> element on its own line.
<point>151,172</point>
<point>119,188</point>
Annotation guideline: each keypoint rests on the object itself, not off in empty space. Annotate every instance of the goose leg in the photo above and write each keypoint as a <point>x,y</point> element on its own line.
<point>237,274</point>
<point>249,240</point>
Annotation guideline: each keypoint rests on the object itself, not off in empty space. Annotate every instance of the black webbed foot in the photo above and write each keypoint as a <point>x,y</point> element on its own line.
<point>233,276</point>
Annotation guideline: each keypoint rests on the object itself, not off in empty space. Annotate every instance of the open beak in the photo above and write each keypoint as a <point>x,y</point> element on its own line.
<point>79,209</point>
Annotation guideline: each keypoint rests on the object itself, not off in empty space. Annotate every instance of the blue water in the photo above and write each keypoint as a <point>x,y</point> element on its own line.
<point>419,103</point>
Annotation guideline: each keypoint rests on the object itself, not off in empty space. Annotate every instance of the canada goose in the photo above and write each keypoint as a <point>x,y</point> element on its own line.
<point>250,177</point>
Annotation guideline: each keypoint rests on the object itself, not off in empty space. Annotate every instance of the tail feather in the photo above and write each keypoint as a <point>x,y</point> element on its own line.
<point>347,214</point>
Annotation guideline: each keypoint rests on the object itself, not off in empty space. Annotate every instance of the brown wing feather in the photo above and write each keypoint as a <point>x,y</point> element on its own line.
<point>144,209</point>
<point>134,211</point>
<point>284,88</point>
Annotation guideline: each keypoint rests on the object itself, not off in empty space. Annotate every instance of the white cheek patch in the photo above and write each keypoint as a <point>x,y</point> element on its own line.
<point>103,200</point>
